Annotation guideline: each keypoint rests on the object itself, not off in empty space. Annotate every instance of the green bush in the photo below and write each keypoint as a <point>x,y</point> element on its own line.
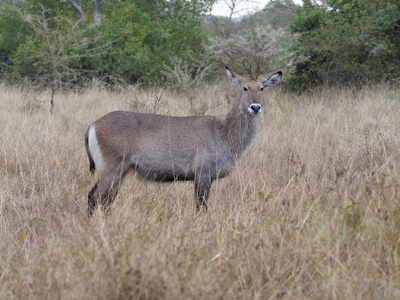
<point>346,43</point>
<point>135,41</point>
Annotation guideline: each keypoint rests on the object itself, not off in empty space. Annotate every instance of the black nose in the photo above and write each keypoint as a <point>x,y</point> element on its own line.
<point>255,108</point>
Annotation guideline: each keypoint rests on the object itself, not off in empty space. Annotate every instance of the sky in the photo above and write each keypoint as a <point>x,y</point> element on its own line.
<point>244,8</point>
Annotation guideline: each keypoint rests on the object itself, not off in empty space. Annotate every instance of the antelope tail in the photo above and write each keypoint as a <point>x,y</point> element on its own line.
<point>92,166</point>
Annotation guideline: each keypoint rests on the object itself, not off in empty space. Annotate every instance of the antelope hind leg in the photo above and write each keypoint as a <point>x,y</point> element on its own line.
<point>106,189</point>
<point>202,187</point>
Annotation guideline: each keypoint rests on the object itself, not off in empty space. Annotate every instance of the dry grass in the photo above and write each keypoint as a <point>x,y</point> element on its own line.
<point>311,212</point>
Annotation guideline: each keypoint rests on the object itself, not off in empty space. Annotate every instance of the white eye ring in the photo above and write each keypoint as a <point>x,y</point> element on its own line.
<point>245,89</point>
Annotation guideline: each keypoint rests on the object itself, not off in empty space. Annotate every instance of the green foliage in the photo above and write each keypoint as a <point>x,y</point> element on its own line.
<point>127,27</point>
<point>144,36</point>
<point>146,40</point>
<point>49,54</point>
<point>346,43</point>
<point>276,14</point>
<point>12,30</point>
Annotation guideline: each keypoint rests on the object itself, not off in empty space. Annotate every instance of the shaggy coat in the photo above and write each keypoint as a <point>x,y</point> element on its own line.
<point>166,148</point>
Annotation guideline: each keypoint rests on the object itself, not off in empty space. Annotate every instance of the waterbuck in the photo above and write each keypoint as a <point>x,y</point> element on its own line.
<point>165,148</point>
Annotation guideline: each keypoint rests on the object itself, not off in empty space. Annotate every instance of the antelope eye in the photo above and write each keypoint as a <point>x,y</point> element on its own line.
<point>261,88</point>
<point>245,89</point>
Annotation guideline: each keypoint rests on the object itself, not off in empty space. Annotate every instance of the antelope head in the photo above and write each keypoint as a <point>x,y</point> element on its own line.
<point>251,90</point>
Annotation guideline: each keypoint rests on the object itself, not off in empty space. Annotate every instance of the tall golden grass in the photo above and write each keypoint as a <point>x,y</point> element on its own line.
<point>312,211</point>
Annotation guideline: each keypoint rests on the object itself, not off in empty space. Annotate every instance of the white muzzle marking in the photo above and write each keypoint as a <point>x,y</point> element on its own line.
<point>254,108</point>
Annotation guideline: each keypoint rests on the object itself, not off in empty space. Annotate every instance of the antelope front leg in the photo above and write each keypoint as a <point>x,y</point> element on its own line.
<point>202,186</point>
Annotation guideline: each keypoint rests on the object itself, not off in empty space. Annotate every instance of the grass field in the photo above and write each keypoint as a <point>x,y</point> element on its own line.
<point>312,211</point>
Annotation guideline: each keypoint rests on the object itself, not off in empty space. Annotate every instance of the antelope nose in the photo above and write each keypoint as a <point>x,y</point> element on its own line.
<point>255,107</point>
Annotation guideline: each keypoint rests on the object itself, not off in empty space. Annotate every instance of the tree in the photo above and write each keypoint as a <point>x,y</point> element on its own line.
<point>78,8</point>
<point>259,51</point>
<point>276,13</point>
<point>144,37</point>
<point>49,56</point>
<point>97,6</point>
<point>151,35</point>
<point>346,43</point>
<point>225,30</point>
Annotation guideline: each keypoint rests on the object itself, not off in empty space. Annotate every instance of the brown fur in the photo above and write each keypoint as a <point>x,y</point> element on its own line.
<point>165,148</point>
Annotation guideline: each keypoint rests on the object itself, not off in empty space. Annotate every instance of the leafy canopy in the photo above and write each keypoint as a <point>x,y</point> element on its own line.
<point>145,37</point>
<point>346,42</point>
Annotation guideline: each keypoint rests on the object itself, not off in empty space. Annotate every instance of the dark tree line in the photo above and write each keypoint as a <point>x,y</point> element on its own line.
<point>130,41</point>
<point>326,42</point>
<point>346,42</point>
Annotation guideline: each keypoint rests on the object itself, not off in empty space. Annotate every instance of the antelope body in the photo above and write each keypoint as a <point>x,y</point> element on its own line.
<point>165,148</point>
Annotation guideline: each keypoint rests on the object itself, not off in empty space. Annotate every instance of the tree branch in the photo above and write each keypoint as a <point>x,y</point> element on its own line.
<point>281,4</point>
<point>80,11</point>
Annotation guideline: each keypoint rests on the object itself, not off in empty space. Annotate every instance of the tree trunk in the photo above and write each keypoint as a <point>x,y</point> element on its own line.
<point>53,91</point>
<point>97,5</point>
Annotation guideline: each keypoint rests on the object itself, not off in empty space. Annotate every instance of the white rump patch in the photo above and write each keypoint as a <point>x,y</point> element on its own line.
<point>94,149</point>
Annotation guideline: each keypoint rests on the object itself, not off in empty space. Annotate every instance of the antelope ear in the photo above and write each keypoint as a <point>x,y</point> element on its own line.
<point>273,80</point>
<point>233,77</point>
